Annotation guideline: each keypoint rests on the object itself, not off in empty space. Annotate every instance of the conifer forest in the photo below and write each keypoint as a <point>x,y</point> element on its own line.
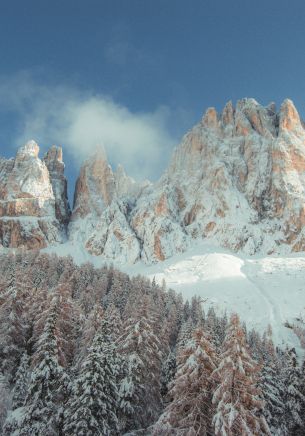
<point>88,352</point>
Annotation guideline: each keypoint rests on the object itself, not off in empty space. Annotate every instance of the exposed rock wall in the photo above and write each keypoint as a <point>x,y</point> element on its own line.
<point>33,201</point>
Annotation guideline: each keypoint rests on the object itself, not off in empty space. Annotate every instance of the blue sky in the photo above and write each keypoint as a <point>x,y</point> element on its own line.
<point>145,66</point>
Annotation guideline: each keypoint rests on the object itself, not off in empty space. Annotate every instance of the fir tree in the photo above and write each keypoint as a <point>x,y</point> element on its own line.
<point>113,316</point>
<point>90,326</point>
<point>294,399</point>
<point>197,314</point>
<point>21,384</point>
<point>13,328</point>
<point>92,408</point>
<point>141,349</point>
<point>190,410</point>
<point>239,409</point>
<point>168,371</point>
<point>272,387</point>
<point>5,400</point>
<point>19,394</point>
<point>47,384</point>
<point>185,334</point>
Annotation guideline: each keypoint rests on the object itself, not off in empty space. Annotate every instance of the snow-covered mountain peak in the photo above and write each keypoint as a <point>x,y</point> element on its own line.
<point>31,196</point>
<point>289,119</point>
<point>54,154</point>
<point>30,149</point>
<point>237,178</point>
<point>210,118</point>
<point>98,185</point>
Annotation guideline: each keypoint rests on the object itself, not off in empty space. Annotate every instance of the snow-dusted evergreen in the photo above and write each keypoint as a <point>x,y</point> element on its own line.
<point>272,385</point>
<point>94,399</point>
<point>239,409</point>
<point>5,401</point>
<point>142,350</point>
<point>13,329</point>
<point>190,409</point>
<point>48,383</point>
<point>294,398</point>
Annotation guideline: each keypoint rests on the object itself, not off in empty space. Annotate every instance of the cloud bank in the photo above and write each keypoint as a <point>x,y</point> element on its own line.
<point>81,122</point>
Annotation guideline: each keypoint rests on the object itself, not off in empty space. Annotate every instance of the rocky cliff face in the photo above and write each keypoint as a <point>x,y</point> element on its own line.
<point>237,179</point>
<point>102,202</point>
<point>241,177</point>
<point>33,201</point>
<point>56,167</point>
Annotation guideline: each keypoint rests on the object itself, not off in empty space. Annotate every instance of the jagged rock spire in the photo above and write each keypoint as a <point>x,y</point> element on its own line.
<point>29,198</point>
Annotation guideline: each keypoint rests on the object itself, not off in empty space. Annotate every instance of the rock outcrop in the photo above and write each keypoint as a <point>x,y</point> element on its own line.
<point>56,168</point>
<point>32,212</point>
<point>102,202</point>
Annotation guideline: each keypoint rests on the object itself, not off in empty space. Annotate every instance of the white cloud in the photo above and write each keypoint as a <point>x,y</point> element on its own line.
<point>81,121</point>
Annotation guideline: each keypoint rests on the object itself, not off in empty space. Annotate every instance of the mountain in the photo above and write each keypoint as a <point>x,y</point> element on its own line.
<point>237,180</point>
<point>34,210</point>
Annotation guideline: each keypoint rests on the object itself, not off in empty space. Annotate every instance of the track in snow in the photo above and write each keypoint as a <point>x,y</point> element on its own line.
<point>263,291</point>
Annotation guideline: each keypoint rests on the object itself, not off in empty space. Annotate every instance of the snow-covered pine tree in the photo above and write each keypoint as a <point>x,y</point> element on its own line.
<point>19,393</point>
<point>13,328</point>
<point>197,313</point>
<point>185,334</point>
<point>294,399</point>
<point>113,316</point>
<point>118,290</point>
<point>171,319</point>
<point>89,328</point>
<point>216,326</point>
<point>210,322</point>
<point>272,387</point>
<point>48,383</point>
<point>190,411</point>
<point>21,382</point>
<point>239,408</point>
<point>94,401</point>
<point>5,400</point>
<point>186,311</point>
<point>140,388</point>
<point>255,343</point>
<point>37,312</point>
<point>220,329</point>
<point>168,371</point>
<point>67,324</point>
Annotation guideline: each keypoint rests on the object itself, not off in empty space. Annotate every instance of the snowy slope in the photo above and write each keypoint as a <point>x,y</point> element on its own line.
<point>268,290</point>
<point>262,290</point>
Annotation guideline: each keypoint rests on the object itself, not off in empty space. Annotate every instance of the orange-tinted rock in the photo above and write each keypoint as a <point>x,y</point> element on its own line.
<point>210,118</point>
<point>158,248</point>
<point>228,114</point>
<point>95,186</point>
<point>161,207</point>
<point>289,118</point>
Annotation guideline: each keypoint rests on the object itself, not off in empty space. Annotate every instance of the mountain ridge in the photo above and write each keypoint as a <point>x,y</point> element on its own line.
<point>237,179</point>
